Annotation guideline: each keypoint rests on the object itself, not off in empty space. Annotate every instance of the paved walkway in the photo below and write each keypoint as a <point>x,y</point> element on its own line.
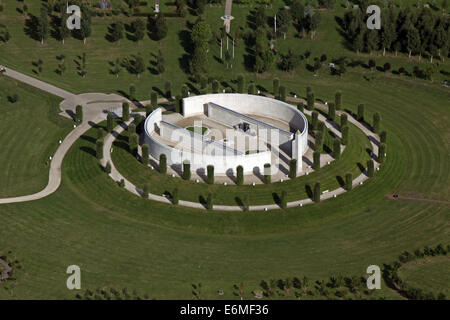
<point>93,112</point>
<point>38,83</point>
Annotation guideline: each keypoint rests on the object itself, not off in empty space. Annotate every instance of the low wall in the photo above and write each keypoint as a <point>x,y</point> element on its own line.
<point>253,104</point>
<point>223,164</point>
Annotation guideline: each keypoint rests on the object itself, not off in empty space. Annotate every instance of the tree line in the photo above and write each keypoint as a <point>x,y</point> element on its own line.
<point>415,32</point>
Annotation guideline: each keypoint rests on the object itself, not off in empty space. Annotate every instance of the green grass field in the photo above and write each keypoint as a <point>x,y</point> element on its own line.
<point>34,122</point>
<point>430,273</point>
<point>120,240</point>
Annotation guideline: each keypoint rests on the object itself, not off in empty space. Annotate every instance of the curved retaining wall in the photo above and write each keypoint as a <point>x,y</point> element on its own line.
<point>251,104</point>
<point>226,164</point>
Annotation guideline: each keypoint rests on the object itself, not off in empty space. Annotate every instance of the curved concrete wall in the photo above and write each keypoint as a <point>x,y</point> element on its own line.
<point>251,104</point>
<point>243,103</point>
<point>223,164</point>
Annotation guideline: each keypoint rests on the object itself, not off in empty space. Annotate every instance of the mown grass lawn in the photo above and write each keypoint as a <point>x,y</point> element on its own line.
<point>29,133</point>
<point>120,240</point>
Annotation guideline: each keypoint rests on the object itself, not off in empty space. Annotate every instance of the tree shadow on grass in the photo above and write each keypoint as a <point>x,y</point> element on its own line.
<point>276,198</point>
<point>309,191</point>
<point>89,139</point>
<point>341,181</point>
<point>89,150</point>
<point>31,27</point>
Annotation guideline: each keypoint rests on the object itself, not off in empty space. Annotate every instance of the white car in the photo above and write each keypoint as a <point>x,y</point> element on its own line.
<point>2,69</point>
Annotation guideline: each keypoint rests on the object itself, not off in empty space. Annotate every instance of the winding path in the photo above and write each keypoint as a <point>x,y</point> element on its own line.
<point>117,176</point>
<point>96,113</point>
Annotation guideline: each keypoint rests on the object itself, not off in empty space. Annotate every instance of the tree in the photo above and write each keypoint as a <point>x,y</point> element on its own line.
<point>175,196</point>
<point>131,129</point>
<point>239,175</point>
<point>360,116</point>
<point>160,30</point>
<point>251,88</point>
<point>318,144</point>
<point>267,173</point>
<point>301,107</point>
<point>108,167</point>
<point>381,152</point>
<point>376,122</point>
<point>260,17</point>
<point>163,163</point>
<point>133,143</point>
<point>99,149</point>
<point>387,67</point>
<point>138,27</point>
<point>199,6</point>
<point>331,111</point>
<point>148,110</point>
<point>145,191</point>
<point>154,99</point>
<point>276,87</point>
<point>316,160</point>
<point>444,6</point>
<point>116,68</point>
<point>297,13</point>
<point>99,133</point>
<point>139,65</point>
<point>310,101</point>
<point>201,33</point>
<point>186,170</point>
<point>122,183</point>
<point>315,21</point>
<point>336,148</point>
<point>178,103</point>
<point>86,28</point>
<point>292,168</point>
<point>145,155</point>
<point>344,120</point>
<point>289,61</point>
<point>43,25</point>
<point>282,95</point>
<point>370,168</point>
<point>358,41</point>
<point>283,199</point>
<point>215,86</point>
<point>209,201</point>
<point>284,20</point>
<point>168,89</point>
<point>125,111</point>
<point>117,31</point>
<point>79,114</point>
<point>348,181</point>
<point>413,40</point>
<point>316,196</point>
<point>63,31</point>
<point>338,100</point>
<point>315,119</point>
<point>109,122</point>
<point>210,172</point>
<point>383,136</point>
<point>388,31</point>
<point>240,83</point>
<point>372,64</point>
<point>344,131</point>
